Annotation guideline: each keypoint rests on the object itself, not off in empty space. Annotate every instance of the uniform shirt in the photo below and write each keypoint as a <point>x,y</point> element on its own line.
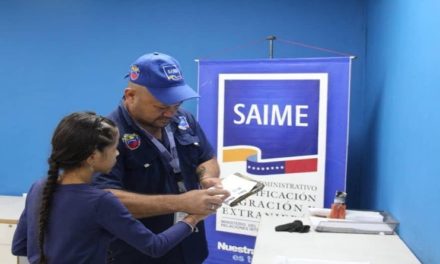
<point>82,221</point>
<point>141,168</point>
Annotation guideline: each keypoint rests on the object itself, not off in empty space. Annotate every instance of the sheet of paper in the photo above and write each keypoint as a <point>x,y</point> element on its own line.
<point>364,216</point>
<point>347,226</point>
<point>353,215</point>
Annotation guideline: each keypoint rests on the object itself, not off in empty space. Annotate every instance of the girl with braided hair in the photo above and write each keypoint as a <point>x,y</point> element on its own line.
<point>67,220</point>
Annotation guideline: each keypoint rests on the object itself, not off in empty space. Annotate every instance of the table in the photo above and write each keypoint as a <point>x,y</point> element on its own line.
<point>10,211</point>
<point>326,248</point>
<point>11,208</point>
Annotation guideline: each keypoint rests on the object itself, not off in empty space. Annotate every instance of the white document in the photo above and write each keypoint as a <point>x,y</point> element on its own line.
<point>347,226</point>
<point>352,215</point>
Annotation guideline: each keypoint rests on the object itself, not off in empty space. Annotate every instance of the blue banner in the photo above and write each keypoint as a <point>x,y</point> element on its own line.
<point>283,122</point>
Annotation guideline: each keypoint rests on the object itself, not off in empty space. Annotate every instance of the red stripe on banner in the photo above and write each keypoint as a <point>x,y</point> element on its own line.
<point>305,165</point>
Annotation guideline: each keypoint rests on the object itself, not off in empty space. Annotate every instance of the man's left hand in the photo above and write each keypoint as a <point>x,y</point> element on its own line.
<point>208,182</point>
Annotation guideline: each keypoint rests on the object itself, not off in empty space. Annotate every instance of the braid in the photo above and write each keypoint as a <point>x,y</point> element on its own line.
<point>76,137</point>
<point>46,202</point>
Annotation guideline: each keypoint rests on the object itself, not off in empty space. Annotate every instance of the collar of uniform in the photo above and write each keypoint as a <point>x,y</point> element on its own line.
<point>175,121</point>
<point>130,126</point>
<point>130,122</point>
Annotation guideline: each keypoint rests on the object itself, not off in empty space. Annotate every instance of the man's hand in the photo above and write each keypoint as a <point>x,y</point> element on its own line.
<point>208,182</point>
<point>208,173</point>
<point>202,202</point>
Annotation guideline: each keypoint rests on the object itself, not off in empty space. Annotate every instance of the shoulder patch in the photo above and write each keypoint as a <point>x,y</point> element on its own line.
<point>183,123</point>
<point>131,141</point>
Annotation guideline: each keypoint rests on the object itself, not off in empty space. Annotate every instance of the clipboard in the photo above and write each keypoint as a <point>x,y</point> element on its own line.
<point>241,187</point>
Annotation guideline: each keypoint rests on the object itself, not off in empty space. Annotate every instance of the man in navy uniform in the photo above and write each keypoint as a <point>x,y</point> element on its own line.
<point>166,164</point>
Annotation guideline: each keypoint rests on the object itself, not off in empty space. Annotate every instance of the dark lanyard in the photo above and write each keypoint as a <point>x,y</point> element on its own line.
<point>170,156</point>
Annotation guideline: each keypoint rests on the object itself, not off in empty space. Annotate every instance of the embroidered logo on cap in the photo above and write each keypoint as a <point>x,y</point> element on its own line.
<point>132,141</point>
<point>183,123</point>
<point>172,72</point>
<point>134,72</point>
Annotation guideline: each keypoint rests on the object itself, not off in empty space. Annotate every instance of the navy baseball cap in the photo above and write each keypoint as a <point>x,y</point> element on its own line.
<point>162,76</point>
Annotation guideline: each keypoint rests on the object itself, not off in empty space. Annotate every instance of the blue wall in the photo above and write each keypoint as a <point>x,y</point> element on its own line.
<point>401,165</point>
<point>59,56</point>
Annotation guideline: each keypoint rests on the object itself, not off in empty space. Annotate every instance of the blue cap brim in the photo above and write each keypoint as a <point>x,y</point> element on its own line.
<point>173,95</point>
